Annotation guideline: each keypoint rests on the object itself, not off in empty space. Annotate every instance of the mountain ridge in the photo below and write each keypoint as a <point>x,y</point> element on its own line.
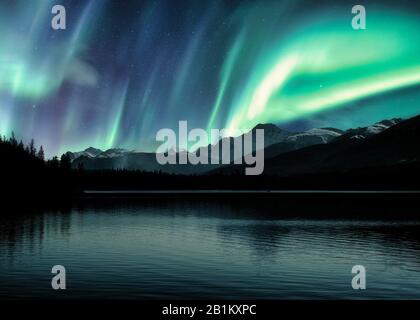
<point>280,142</point>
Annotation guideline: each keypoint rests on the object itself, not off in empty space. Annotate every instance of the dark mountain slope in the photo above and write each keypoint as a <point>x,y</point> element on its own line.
<point>396,145</point>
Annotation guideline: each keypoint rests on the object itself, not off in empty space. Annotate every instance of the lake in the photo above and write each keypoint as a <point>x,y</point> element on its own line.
<point>209,248</point>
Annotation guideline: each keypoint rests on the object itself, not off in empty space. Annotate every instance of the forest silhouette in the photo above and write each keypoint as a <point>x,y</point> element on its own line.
<point>27,174</point>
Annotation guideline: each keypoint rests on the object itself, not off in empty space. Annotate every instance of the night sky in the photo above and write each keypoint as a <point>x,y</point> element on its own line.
<point>124,69</point>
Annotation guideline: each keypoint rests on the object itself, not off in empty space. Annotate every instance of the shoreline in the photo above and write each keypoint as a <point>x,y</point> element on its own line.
<point>219,191</point>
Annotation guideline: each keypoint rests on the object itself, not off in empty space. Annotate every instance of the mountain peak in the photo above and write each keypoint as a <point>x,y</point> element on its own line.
<point>268,126</point>
<point>113,152</point>
<point>333,129</point>
<point>93,150</point>
<point>366,132</point>
<point>390,122</point>
<point>88,153</point>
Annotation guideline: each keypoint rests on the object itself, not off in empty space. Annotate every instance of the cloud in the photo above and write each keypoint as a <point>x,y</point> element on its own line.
<point>80,73</point>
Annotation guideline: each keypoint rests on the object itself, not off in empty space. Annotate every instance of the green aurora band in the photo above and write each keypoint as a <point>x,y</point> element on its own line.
<point>324,66</point>
<point>120,73</point>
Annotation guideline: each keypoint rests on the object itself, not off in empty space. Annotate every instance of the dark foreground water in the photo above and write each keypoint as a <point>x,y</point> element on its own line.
<point>158,249</point>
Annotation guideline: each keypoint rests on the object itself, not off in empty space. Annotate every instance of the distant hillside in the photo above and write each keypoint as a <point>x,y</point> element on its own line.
<point>386,159</point>
<point>276,142</point>
<point>394,145</point>
<point>25,172</point>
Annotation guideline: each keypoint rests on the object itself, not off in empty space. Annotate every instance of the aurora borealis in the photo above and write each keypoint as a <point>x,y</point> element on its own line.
<point>124,69</point>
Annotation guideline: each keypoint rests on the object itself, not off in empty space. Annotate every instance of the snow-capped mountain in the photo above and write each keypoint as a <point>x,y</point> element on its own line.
<point>88,153</point>
<point>272,134</point>
<point>113,153</point>
<point>313,136</point>
<point>386,143</point>
<point>276,142</point>
<point>366,132</point>
<point>275,138</point>
<point>98,153</point>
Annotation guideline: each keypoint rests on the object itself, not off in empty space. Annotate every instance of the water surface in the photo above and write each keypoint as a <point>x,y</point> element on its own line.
<point>188,249</point>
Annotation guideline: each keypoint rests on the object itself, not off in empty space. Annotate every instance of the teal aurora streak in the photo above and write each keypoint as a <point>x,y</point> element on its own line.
<point>119,73</point>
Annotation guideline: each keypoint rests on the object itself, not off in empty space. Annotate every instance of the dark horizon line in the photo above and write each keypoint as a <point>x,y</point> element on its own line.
<point>259,124</point>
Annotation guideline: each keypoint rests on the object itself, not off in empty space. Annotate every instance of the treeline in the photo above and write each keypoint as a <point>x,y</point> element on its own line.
<point>30,151</point>
<point>24,170</point>
<point>398,177</point>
